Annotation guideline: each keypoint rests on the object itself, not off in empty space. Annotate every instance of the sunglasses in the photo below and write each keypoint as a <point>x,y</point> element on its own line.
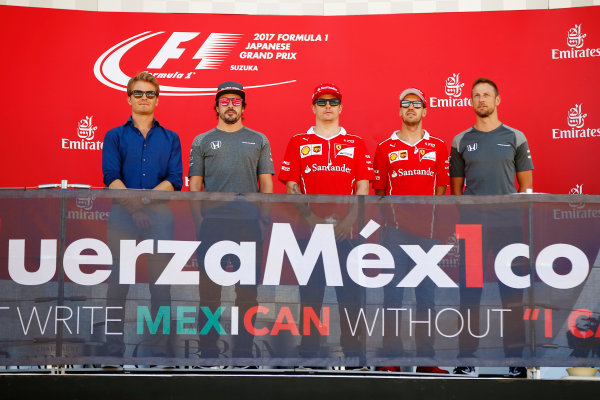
<point>138,94</point>
<point>224,101</point>
<point>332,102</point>
<point>415,103</point>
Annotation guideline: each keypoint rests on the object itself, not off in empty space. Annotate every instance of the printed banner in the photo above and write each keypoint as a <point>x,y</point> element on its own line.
<point>65,73</point>
<point>142,277</point>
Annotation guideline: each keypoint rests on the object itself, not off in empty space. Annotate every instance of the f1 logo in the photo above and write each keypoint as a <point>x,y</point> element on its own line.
<point>211,53</point>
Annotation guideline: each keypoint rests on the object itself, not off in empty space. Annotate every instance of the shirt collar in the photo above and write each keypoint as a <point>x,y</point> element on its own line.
<point>395,137</point>
<point>311,131</point>
<point>130,122</point>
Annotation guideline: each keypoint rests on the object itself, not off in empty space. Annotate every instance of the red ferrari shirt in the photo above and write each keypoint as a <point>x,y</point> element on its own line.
<point>404,169</point>
<point>326,166</point>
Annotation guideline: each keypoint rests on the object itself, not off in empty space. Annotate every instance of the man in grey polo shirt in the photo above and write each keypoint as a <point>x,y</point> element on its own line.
<point>484,160</point>
<point>229,158</point>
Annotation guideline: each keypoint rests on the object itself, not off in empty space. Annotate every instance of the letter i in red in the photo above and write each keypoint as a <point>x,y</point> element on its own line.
<point>473,253</point>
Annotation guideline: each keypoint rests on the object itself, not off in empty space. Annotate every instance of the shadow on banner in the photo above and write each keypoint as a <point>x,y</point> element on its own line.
<point>142,277</point>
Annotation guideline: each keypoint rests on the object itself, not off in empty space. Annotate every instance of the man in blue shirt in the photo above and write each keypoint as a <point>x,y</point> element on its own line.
<point>140,154</point>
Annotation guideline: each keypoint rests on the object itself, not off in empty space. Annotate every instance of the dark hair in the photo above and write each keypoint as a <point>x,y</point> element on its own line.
<point>484,80</point>
<point>146,77</point>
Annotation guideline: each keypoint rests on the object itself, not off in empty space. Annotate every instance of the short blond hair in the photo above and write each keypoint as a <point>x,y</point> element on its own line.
<point>143,76</point>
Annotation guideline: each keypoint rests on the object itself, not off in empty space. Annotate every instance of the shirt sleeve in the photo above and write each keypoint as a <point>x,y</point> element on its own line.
<point>290,166</point>
<point>111,158</point>
<point>442,173</point>
<point>380,169</point>
<point>265,162</point>
<point>363,163</point>
<point>175,167</point>
<point>523,155</point>
<point>457,162</point>
<point>196,158</point>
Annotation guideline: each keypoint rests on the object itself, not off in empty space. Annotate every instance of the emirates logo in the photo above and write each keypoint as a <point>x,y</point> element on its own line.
<point>575,38</point>
<point>575,117</point>
<point>453,86</point>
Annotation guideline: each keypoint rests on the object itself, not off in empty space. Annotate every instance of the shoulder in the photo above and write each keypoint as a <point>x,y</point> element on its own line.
<point>350,137</point>
<point>436,140</point>
<point>519,136</point>
<point>202,137</point>
<point>458,138</point>
<point>252,132</point>
<point>385,142</point>
<point>299,136</point>
<point>172,135</point>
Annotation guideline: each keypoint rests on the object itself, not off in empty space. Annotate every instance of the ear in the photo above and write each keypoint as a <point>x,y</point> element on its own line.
<point>156,101</point>
<point>129,100</point>
<point>498,100</point>
<point>314,108</point>
<point>341,107</point>
<point>424,112</point>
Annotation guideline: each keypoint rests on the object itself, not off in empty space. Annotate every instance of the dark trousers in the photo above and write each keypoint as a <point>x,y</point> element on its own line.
<point>213,230</point>
<point>494,239</point>
<point>350,298</point>
<point>392,296</point>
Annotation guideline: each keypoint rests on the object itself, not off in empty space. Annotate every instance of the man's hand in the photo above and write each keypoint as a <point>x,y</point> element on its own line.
<point>343,228</point>
<point>142,220</point>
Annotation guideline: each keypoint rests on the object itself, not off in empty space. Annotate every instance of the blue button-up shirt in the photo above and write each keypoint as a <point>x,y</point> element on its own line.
<point>142,163</point>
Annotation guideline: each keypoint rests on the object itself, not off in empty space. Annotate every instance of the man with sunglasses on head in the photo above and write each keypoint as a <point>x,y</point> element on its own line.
<point>229,158</point>
<point>141,154</point>
<point>328,160</point>
<point>410,162</point>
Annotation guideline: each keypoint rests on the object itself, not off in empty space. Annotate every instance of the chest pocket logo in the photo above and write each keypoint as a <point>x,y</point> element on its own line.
<point>472,147</point>
<point>215,144</point>
<point>426,155</point>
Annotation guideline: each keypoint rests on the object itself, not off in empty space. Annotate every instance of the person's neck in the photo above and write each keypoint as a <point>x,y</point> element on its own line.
<point>327,129</point>
<point>221,125</point>
<point>411,134</point>
<point>487,124</point>
<point>143,122</point>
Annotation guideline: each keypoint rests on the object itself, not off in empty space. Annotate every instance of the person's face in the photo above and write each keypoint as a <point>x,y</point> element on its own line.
<point>412,116</point>
<point>142,105</point>
<point>484,99</point>
<point>327,112</point>
<point>229,113</point>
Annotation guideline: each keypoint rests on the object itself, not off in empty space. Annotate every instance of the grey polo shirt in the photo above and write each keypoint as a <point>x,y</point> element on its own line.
<point>231,161</point>
<point>489,160</point>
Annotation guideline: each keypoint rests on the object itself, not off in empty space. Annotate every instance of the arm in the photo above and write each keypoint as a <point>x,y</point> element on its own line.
<point>525,180</point>
<point>344,227</point>
<point>265,183</point>
<point>173,180</point>
<point>292,187</point>
<point>362,187</point>
<point>456,185</point>
<point>164,185</point>
<point>117,184</point>
<point>196,183</point>
<point>457,169</point>
<point>440,190</point>
<point>111,161</point>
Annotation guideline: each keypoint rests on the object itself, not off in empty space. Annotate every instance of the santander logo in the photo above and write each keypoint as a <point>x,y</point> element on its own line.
<point>210,56</point>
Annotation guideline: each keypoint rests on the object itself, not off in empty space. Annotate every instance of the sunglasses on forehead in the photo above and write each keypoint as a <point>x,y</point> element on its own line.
<point>332,102</point>
<point>138,94</point>
<point>224,101</point>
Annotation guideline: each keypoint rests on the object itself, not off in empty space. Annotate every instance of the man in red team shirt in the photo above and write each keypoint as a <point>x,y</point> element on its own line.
<point>410,162</point>
<point>328,160</point>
